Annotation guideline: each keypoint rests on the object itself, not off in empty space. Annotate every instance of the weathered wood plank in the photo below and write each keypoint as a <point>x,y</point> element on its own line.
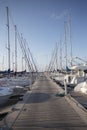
<point>43,110</point>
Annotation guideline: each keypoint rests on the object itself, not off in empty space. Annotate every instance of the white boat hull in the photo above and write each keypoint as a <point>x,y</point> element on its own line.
<point>81,87</point>
<point>4,99</point>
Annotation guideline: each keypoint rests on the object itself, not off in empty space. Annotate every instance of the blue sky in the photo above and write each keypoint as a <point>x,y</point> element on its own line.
<point>42,24</point>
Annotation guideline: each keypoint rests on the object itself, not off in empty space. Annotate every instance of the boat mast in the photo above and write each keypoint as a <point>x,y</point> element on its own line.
<point>60,55</point>
<point>13,61</point>
<point>8,38</point>
<point>65,44</point>
<point>15,48</point>
<point>70,36</point>
<point>56,56</point>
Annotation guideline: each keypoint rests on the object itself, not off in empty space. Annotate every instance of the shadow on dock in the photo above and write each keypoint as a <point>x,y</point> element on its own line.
<point>39,98</point>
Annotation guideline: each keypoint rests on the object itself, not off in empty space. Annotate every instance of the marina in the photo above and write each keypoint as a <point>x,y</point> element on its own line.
<point>42,109</point>
<point>43,77</point>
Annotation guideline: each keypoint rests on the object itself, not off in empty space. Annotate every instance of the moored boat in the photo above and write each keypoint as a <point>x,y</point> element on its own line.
<point>81,87</point>
<point>5,94</point>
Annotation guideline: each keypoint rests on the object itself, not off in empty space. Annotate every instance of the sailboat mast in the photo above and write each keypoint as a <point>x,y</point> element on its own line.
<point>13,61</point>
<point>56,56</point>
<point>70,37</point>
<point>60,55</point>
<point>15,48</point>
<point>65,44</point>
<point>8,38</point>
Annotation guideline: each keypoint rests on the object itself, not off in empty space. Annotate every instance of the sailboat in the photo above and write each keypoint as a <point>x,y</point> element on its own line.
<point>5,94</point>
<point>81,87</point>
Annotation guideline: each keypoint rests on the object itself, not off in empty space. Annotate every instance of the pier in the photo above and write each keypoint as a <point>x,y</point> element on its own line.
<point>41,109</point>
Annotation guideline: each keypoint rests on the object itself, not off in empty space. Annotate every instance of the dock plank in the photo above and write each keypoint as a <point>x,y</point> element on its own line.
<point>43,110</point>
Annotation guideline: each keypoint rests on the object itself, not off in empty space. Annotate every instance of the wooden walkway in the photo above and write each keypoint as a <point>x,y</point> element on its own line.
<point>44,111</point>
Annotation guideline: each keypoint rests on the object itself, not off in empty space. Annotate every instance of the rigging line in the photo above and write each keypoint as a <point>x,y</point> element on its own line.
<point>51,61</point>
<point>26,52</point>
<point>23,51</point>
<point>24,44</point>
<point>31,57</point>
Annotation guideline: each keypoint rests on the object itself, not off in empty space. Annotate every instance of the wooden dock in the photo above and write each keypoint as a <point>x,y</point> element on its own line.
<point>43,110</point>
